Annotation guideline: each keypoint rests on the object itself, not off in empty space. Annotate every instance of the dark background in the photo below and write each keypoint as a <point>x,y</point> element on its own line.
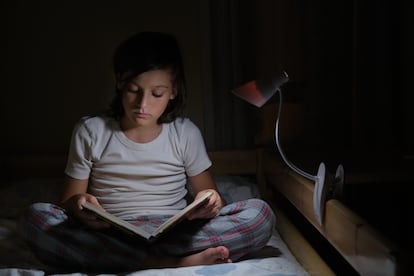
<point>349,64</point>
<point>348,99</point>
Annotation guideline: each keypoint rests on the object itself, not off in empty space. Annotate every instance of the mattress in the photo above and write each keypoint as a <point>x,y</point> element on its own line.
<point>275,259</point>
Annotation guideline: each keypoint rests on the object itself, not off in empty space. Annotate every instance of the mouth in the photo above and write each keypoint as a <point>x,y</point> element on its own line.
<point>141,115</point>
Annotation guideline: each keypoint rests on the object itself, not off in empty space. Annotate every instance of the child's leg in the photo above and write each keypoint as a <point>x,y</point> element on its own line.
<point>61,242</point>
<point>242,227</point>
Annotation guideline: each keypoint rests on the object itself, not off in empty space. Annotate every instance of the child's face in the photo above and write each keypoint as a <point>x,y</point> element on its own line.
<point>146,97</point>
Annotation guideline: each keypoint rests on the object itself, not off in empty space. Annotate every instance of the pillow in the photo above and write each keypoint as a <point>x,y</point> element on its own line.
<point>236,188</point>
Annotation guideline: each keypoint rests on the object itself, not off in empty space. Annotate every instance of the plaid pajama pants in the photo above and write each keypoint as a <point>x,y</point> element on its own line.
<point>62,242</point>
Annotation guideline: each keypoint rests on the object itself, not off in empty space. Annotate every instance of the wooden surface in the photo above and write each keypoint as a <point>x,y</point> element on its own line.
<point>234,162</point>
<point>369,252</point>
<point>299,246</point>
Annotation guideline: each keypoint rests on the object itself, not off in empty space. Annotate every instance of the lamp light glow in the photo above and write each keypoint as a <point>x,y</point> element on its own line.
<point>258,93</point>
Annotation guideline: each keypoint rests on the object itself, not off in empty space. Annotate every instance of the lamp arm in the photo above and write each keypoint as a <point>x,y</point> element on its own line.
<point>293,167</point>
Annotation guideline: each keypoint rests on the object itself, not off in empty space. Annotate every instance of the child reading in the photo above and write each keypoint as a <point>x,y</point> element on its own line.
<point>138,161</point>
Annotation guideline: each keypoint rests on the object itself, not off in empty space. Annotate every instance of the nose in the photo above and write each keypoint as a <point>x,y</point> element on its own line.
<point>142,99</point>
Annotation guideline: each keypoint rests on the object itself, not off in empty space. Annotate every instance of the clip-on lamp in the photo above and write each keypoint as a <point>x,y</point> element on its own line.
<point>258,93</point>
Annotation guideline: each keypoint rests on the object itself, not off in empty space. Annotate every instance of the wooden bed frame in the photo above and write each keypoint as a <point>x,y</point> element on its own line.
<point>363,247</point>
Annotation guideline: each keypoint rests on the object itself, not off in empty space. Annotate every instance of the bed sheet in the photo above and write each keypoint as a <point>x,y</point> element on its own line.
<point>276,259</point>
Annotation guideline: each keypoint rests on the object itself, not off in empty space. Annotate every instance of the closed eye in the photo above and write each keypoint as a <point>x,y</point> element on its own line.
<point>159,91</point>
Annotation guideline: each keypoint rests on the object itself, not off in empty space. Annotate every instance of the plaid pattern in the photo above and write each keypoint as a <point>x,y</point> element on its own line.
<point>60,241</point>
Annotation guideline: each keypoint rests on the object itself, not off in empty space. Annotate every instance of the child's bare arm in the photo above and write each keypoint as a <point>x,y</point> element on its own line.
<point>200,184</point>
<point>74,195</point>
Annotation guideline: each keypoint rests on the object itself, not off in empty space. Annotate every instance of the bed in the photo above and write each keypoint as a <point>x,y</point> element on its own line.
<point>238,175</point>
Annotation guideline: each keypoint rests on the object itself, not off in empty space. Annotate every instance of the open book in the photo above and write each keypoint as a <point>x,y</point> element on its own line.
<point>126,226</point>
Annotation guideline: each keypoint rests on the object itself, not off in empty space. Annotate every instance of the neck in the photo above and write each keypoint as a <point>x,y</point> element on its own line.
<point>141,134</point>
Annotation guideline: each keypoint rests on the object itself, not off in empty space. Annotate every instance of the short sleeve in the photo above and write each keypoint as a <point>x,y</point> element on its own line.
<point>79,163</point>
<point>195,157</point>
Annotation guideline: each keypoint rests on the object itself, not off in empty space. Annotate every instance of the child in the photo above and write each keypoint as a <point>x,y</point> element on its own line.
<point>135,161</point>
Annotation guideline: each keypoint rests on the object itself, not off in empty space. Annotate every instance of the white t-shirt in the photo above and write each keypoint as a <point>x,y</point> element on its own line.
<point>131,179</point>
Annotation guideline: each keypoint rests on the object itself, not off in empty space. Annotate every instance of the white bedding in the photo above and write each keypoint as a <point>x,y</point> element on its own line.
<point>276,260</point>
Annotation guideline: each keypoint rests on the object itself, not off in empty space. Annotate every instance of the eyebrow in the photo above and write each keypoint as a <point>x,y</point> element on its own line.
<point>161,86</point>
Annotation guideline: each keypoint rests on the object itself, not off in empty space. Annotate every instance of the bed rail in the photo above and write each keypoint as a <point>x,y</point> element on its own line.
<point>366,250</point>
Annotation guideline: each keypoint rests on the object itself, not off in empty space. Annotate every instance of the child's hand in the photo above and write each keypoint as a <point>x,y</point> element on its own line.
<point>74,206</point>
<point>210,209</point>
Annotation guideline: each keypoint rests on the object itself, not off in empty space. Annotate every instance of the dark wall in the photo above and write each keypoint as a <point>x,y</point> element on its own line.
<point>56,62</point>
<point>349,64</point>
<point>348,61</point>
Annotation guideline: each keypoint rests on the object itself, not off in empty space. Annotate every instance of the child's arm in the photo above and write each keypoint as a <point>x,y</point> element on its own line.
<point>200,184</point>
<point>74,195</point>
<point>73,187</point>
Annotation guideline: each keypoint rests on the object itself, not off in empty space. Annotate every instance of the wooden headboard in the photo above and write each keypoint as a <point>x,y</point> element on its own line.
<point>43,165</point>
<point>234,161</point>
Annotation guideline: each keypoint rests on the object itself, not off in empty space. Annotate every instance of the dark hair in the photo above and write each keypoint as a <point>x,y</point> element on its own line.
<point>147,51</point>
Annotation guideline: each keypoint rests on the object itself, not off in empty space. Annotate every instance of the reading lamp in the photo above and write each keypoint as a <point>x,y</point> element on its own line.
<point>258,93</point>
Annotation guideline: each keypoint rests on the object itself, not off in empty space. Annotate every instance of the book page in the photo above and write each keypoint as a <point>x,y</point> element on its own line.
<point>124,225</point>
<point>181,215</point>
<point>114,220</point>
